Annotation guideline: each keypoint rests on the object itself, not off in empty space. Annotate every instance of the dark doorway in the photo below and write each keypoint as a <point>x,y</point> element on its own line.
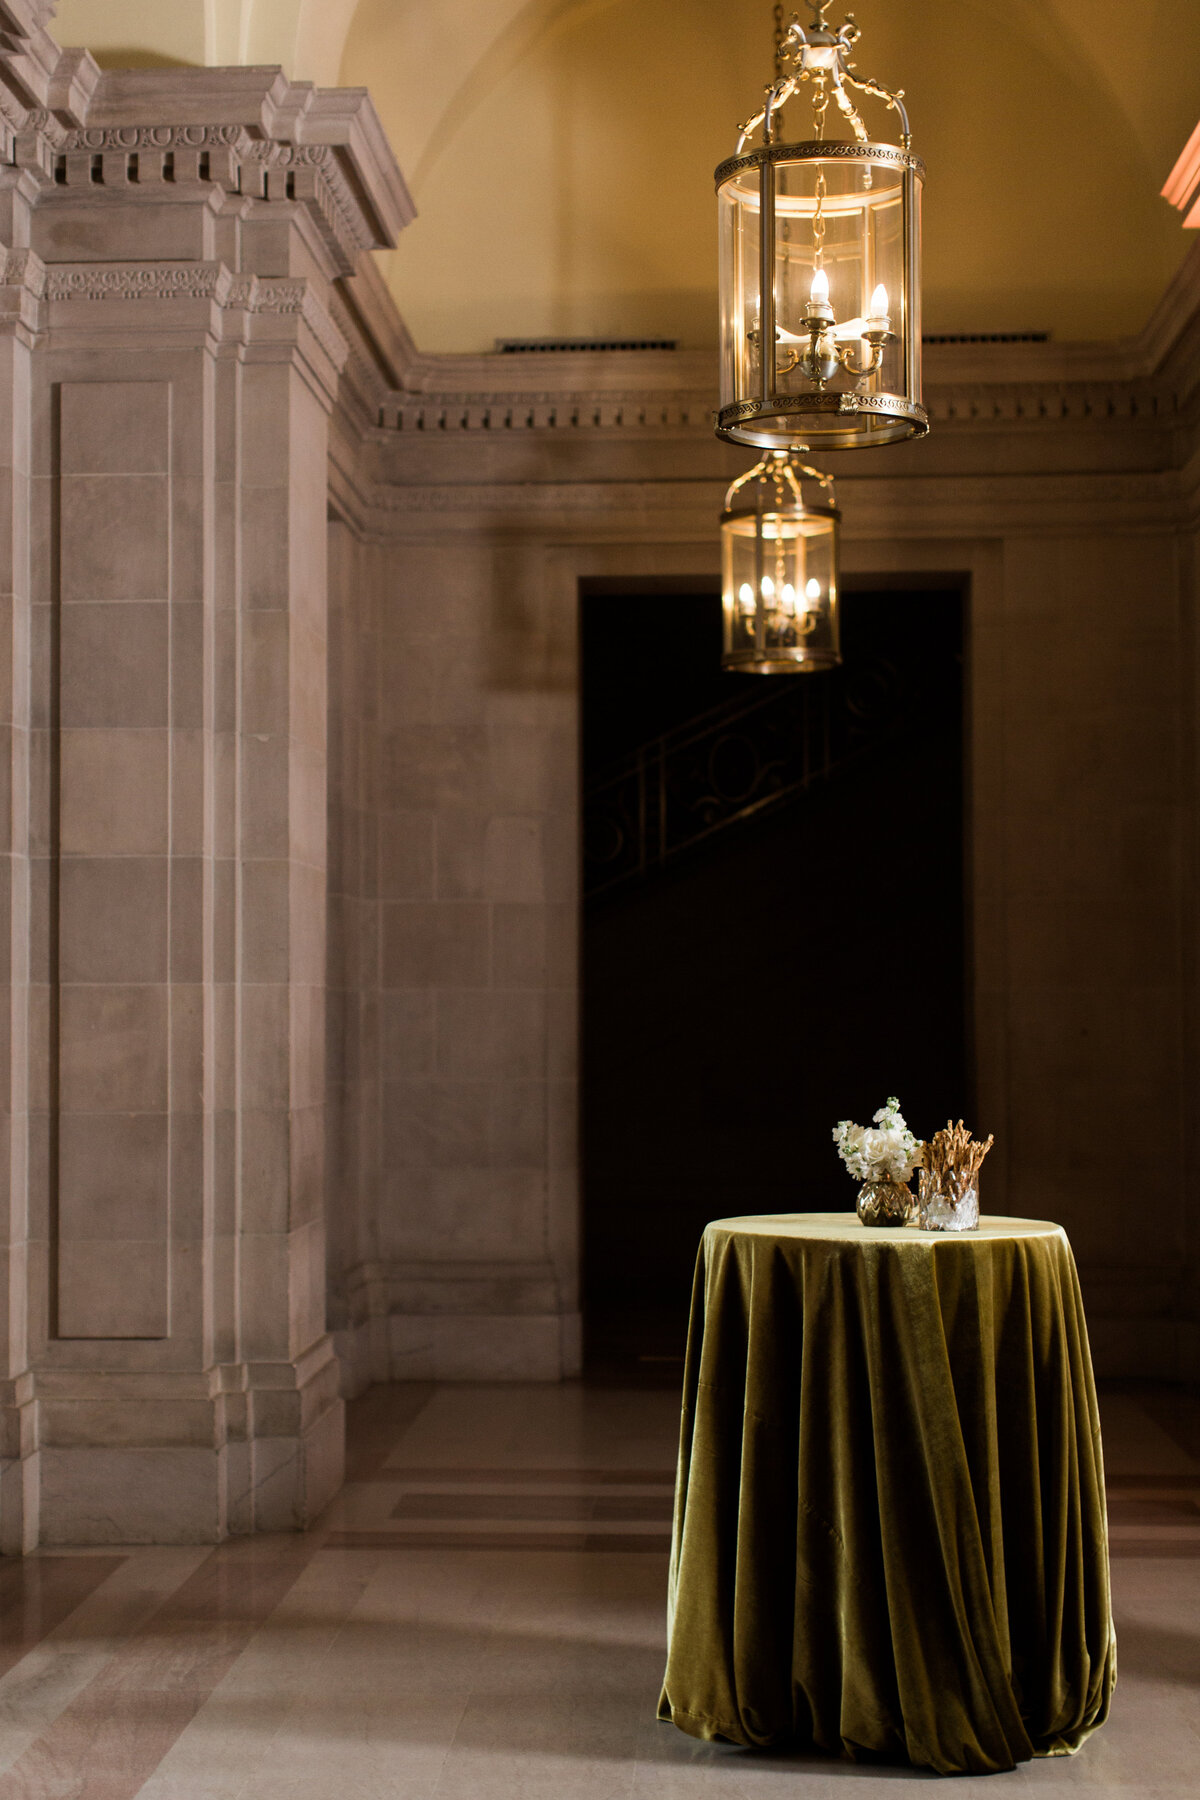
<point>773,929</point>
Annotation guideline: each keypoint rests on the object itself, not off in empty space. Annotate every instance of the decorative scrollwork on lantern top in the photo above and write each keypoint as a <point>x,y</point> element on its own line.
<point>775,483</point>
<point>822,56</point>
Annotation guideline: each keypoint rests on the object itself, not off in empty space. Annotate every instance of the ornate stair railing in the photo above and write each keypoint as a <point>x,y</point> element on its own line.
<point>731,764</point>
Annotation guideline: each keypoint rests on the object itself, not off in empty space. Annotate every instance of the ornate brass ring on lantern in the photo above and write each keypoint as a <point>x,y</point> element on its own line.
<point>820,266</point>
<point>779,561</point>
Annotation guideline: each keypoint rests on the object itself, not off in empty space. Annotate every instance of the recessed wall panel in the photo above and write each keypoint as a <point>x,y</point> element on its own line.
<point>113,892</point>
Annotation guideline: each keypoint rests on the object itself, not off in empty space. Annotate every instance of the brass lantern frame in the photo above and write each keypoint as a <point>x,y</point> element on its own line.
<point>746,421</point>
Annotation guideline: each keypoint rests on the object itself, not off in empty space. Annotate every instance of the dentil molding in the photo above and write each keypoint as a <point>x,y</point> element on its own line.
<point>569,410</point>
<point>249,134</point>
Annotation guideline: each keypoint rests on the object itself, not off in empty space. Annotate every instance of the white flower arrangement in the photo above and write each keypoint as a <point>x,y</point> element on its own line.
<point>889,1153</point>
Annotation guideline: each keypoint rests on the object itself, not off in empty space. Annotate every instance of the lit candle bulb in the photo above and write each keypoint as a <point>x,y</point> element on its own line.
<point>768,588</point>
<point>746,597</point>
<point>789,598</point>
<point>813,589</point>
<point>819,313</point>
<point>878,319</point>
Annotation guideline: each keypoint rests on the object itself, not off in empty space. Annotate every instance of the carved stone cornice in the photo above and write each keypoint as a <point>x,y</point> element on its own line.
<point>228,155</point>
<point>248,133</point>
<point>34,70</point>
<point>323,328</point>
<point>364,387</point>
<point>23,269</point>
<point>1054,403</point>
<point>543,408</point>
<point>312,173</point>
<point>22,288</point>
<point>138,281</point>
<point>134,138</point>
<point>264,294</point>
<point>130,159</point>
<point>253,295</point>
<point>13,117</point>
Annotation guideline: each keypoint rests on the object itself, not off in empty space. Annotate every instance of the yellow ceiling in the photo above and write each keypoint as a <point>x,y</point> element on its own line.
<point>560,151</point>
<point>305,36</point>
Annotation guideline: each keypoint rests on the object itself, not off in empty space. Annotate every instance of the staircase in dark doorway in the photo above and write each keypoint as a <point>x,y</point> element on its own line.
<point>733,763</point>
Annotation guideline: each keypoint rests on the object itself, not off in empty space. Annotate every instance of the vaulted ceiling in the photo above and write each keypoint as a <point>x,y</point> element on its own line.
<point>560,151</point>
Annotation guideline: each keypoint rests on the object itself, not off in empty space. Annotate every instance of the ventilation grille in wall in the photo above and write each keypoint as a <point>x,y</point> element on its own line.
<point>552,346</point>
<point>986,337</point>
<point>534,346</point>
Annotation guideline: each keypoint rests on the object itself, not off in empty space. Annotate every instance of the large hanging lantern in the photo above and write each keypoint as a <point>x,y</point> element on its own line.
<point>820,246</point>
<point>779,556</point>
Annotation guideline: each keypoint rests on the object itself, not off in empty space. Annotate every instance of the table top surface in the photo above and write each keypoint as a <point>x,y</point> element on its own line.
<point>848,1228</point>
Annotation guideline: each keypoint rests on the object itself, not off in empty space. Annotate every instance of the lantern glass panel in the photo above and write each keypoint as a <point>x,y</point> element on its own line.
<point>739,257</point>
<point>848,216</point>
<point>862,250</point>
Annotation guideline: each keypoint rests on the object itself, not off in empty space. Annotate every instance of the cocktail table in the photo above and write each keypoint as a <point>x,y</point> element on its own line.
<point>890,1535</point>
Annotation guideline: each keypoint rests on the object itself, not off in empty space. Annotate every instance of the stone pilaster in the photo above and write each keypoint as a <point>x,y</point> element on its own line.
<point>16,307</point>
<point>174,362</point>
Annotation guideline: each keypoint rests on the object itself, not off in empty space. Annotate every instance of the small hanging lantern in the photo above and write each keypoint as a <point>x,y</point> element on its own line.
<point>820,246</point>
<point>779,556</point>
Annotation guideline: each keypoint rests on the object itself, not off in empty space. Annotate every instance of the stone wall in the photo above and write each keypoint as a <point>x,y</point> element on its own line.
<point>1057,482</point>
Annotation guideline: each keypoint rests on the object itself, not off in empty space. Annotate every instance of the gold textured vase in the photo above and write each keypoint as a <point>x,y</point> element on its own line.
<point>884,1203</point>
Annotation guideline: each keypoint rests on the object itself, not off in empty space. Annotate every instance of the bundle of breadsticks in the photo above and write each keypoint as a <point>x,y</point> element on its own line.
<point>953,1159</point>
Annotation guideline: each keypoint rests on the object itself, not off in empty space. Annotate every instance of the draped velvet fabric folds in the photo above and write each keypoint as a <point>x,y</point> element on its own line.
<point>890,1535</point>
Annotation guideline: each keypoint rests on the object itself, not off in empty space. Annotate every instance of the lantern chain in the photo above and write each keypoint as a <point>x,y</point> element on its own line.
<point>821,85</point>
<point>820,104</point>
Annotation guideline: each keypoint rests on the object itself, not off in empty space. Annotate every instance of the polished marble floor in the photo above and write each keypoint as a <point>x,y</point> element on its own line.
<point>480,1617</point>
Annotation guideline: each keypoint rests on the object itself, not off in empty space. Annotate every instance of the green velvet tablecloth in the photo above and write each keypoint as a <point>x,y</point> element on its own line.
<point>890,1534</point>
